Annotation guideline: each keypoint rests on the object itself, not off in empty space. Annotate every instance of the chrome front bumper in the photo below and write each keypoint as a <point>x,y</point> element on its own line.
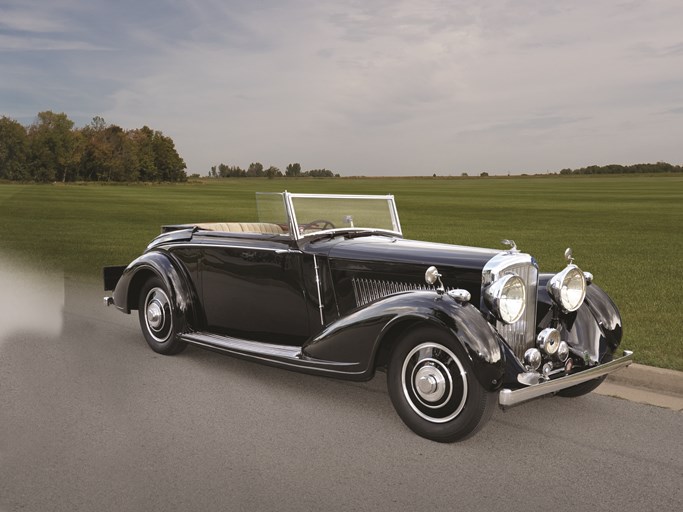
<point>510,397</point>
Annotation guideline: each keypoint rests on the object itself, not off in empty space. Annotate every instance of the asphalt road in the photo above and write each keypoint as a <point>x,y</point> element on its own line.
<point>91,419</point>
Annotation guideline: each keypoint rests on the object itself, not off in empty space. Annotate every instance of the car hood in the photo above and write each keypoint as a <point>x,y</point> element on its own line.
<point>365,253</point>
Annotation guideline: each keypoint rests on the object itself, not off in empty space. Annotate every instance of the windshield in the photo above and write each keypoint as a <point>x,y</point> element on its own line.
<point>309,214</point>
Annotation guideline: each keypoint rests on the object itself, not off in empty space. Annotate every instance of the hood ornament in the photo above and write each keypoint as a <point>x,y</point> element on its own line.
<point>511,244</point>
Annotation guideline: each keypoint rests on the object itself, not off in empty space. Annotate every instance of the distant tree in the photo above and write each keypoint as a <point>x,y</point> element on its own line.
<point>143,140</point>
<point>255,170</point>
<point>52,149</point>
<point>14,150</point>
<point>98,123</point>
<point>109,153</point>
<point>293,170</point>
<point>124,164</point>
<point>659,167</point>
<point>273,172</point>
<point>231,171</point>
<point>319,173</point>
<point>464,174</point>
<point>95,151</point>
<point>53,145</point>
<point>484,174</point>
<point>169,164</point>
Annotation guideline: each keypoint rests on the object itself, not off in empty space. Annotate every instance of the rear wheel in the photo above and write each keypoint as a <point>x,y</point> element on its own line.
<point>433,388</point>
<point>155,311</point>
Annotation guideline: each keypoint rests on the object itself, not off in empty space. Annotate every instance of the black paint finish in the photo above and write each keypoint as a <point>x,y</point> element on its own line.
<point>292,304</point>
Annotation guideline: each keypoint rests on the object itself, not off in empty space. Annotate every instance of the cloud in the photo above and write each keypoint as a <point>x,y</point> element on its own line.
<point>356,86</point>
<point>30,16</point>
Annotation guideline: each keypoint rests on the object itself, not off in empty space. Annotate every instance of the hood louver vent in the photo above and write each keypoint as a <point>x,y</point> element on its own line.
<point>370,290</point>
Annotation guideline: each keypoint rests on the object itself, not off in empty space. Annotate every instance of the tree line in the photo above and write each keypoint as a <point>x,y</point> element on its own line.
<point>659,167</point>
<point>256,170</point>
<point>52,149</point>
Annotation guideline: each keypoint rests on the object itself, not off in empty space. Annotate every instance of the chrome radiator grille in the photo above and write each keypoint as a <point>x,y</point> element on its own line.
<point>521,335</point>
<point>369,290</point>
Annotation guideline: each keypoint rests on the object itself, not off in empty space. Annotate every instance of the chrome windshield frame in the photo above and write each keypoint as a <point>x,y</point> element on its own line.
<point>294,225</point>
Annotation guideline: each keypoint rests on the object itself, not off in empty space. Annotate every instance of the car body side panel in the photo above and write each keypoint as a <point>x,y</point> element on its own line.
<point>403,262</point>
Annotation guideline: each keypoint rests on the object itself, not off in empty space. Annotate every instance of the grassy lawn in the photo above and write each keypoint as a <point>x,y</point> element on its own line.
<point>626,230</point>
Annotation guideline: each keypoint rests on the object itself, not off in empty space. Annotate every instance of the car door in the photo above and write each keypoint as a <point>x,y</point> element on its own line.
<point>254,291</point>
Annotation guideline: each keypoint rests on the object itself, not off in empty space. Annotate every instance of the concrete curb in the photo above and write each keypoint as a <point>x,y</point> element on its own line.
<point>646,385</point>
<point>649,378</point>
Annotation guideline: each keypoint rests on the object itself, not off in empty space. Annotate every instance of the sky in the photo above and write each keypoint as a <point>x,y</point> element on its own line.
<point>371,87</point>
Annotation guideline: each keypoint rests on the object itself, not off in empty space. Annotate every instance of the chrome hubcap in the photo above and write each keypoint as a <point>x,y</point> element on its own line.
<point>155,315</point>
<point>430,383</point>
<point>434,382</point>
<point>158,315</point>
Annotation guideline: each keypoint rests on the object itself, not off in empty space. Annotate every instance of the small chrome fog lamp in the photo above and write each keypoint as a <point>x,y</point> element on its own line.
<point>563,351</point>
<point>532,358</point>
<point>549,340</point>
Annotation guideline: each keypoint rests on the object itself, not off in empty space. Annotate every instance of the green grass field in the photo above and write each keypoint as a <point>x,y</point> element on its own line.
<point>626,230</point>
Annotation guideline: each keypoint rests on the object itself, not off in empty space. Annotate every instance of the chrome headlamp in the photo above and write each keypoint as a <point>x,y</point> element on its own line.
<point>568,288</point>
<point>506,298</point>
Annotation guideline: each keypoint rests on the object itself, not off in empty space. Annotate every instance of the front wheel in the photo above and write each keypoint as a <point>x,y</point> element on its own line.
<point>433,388</point>
<point>155,311</point>
<point>585,387</point>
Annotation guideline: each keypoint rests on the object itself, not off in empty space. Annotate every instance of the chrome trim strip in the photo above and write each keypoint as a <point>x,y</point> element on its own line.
<point>236,246</point>
<point>317,283</point>
<point>509,397</point>
<point>243,346</point>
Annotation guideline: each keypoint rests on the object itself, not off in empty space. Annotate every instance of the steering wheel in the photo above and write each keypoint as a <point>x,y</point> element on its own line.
<point>318,225</point>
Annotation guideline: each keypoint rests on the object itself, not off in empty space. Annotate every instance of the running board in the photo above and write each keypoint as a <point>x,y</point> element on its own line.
<point>239,346</point>
<point>286,356</point>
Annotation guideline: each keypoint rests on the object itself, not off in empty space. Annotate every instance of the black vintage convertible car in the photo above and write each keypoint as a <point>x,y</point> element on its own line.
<point>326,284</point>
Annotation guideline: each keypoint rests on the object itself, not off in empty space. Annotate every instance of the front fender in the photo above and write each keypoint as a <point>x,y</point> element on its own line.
<point>356,338</point>
<point>175,278</point>
<point>594,330</point>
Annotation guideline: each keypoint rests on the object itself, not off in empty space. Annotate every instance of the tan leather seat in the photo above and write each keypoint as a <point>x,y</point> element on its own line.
<point>242,227</point>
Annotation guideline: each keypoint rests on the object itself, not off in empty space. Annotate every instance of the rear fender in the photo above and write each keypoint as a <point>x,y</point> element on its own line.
<point>164,266</point>
<point>363,336</point>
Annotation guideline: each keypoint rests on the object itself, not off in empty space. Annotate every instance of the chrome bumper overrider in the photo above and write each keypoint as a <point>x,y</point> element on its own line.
<point>510,397</point>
